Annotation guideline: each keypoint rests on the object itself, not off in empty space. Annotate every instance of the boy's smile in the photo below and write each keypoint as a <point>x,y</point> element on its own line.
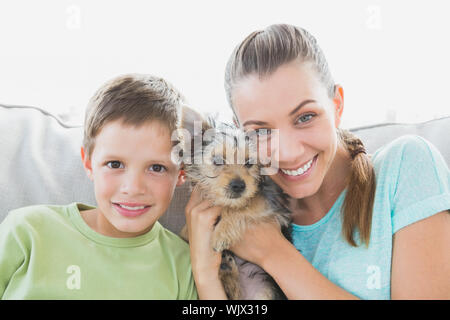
<point>131,210</point>
<point>134,178</point>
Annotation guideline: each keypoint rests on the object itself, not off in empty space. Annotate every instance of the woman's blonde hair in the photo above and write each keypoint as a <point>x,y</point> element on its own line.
<point>261,53</point>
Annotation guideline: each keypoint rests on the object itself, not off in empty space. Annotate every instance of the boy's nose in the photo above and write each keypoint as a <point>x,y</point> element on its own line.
<point>133,184</point>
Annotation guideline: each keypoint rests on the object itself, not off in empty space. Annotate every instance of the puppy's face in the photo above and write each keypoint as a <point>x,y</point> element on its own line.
<point>225,168</point>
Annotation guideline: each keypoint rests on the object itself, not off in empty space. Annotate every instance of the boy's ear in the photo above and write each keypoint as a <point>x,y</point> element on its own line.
<point>86,163</point>
<point>181,178</point>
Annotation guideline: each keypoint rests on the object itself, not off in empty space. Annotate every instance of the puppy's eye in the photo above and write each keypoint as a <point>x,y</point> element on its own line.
<point>248,164</point>
<point>218,161</point>
<point>263,132</point>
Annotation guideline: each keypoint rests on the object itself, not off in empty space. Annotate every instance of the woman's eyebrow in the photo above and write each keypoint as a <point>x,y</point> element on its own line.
<point>262,123</point>
<point>301,105</point>
<point>257,122</point>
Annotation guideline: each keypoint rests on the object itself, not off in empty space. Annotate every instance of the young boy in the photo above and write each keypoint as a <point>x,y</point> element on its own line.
<point>117,250</point>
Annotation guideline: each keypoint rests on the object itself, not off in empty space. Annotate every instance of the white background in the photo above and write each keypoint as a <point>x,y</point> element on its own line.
<point>392,57</point>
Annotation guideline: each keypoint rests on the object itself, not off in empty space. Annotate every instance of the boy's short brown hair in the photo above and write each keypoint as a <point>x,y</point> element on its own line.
<point>135,99</point>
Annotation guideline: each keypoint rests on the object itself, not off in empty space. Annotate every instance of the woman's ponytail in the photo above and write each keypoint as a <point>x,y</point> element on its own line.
<point>359,200</point>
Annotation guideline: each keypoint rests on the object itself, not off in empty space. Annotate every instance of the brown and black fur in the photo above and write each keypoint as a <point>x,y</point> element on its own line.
<point>247,198</point>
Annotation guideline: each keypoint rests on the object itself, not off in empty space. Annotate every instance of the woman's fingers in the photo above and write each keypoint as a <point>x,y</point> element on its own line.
<point>201,210</point>
<point>193,200</point>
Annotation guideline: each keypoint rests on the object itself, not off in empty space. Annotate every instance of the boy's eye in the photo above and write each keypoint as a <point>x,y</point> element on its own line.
<point>305,118</point>
<point>157,168</point>
<point>114,165</point>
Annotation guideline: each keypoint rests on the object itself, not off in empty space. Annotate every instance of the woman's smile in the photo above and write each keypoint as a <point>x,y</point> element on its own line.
<point>298,170</point>
<point>300,173</point>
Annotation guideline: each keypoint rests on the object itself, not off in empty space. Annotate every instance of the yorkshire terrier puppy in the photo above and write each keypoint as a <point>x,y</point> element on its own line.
<point>222,162</point>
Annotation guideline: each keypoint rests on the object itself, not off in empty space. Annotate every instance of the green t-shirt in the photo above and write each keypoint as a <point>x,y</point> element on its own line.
<point>49,252</point>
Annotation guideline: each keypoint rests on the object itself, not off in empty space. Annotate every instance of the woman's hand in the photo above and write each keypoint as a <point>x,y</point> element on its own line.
<point>201,217</point>
<point>265,245</point>
<point>259,241</point>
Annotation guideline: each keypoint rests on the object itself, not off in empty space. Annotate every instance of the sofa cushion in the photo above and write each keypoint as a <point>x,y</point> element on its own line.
<point>41,162</point>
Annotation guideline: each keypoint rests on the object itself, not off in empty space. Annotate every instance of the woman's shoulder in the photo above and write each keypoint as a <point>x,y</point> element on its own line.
<point>410,163</point>
<point>413,175</point>
<point>406,143</point>
<point>408,149</point>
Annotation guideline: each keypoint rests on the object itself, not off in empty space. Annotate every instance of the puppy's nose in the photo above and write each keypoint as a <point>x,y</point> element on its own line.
<point>237,186</point>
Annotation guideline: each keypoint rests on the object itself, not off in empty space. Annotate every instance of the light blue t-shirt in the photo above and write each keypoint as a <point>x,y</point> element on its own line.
<point>413,183</point>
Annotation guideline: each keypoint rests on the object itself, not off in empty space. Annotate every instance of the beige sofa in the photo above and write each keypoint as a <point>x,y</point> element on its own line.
<point>40,159</point>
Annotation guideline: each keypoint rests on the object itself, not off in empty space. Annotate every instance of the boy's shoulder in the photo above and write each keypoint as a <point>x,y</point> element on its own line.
<point>36,214</point>
<point>175,246</point>
<point>173,240</point>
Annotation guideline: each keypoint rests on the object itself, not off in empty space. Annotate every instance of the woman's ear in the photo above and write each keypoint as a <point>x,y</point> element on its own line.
<point>86,163</point>
<point>338,102</point>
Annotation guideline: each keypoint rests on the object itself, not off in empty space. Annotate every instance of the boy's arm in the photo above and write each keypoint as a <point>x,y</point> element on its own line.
<point>12,254</point>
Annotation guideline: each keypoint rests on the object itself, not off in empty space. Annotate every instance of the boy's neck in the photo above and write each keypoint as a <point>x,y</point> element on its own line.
<point>97,222</point>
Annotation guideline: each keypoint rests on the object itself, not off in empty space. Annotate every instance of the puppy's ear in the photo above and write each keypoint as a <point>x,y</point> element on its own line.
<point>194,126</point>
<point>191,119</point>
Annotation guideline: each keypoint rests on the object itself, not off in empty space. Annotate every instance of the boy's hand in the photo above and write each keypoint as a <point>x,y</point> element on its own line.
<point>201,217</point>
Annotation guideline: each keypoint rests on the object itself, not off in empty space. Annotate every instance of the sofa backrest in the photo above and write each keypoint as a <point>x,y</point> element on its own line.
<point>41,163</point>
<point>436,131</point>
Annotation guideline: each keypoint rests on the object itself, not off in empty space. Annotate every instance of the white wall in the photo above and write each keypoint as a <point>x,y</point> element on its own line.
<point>392,57</point>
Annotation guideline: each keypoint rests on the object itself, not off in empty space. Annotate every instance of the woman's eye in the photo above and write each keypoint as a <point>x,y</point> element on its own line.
<point>114,165</point>
<point>305,118</point>
<point>158,168</point>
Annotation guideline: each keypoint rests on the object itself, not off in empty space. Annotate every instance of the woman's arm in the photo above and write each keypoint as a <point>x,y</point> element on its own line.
<point>298,279</point>
<point>420,262</point>
<point>200,221</point>
<point>421,259</point>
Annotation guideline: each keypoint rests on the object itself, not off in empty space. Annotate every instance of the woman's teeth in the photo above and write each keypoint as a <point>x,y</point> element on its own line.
<point>300,170</point>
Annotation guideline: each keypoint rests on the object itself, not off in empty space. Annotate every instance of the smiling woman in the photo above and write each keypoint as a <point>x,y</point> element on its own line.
<point>347,206</point>
<point>300,86</point>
